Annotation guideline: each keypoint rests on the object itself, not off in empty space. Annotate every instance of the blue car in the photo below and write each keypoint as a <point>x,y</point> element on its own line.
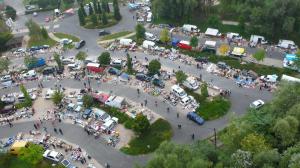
<point>87,113</point>
<point>114,71</point>
<point>195,117</point>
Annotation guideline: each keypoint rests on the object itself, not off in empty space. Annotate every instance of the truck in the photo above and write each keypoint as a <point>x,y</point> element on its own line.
<point>256,39</point>
<point>148,44</point>
<point>35,64</point>
<point>150,36</point>
<point>190,28</point>
<point>115,101</point>
<point>126,42</point>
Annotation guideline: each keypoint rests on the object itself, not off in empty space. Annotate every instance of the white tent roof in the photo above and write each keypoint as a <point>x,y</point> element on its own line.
<point>210,43</point>
<point>211,32</point>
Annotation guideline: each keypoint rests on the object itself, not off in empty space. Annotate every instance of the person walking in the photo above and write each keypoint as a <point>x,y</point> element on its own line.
<point>138,91</point>
<point>45,129</point>
<point>155,103</point>
<point>193,136</point>
<point>55,130</point>
<point>177,115</point>
<point>60,131</point>
<point>168,109</point>
<point>10,124</point>
<point>34,125</point>
<point>145,102</point>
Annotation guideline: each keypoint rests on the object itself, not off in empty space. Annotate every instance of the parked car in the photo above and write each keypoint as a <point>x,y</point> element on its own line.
<point>79,44</point>
<point>195,117</point>
<point>67,61</point>
<point>257,104</point>
<point>53,155</point>
<point>48,70</point>
<point>158,82</point>
<point>66,163</point>
<point>142,77</point>
<point>114,71</point>
<point>202,59</point>
<point>222,65</point>
<point>87,113</point>
<point>104,32</point>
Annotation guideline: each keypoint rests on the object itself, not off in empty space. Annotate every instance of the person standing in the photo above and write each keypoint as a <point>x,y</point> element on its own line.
<point>60,131</point>
<point>34,125</point>
<point>55,130</point>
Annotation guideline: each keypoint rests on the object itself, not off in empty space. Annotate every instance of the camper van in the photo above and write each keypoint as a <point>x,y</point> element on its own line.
<point>178,91</point>
<point>148,44</point>
<point>115,101</point>
<point>190,28</point>
<point>126,42</point>
<point>255,39</point>
<point>191,83</point>
<point>287,44</point>
<point>150,36</point>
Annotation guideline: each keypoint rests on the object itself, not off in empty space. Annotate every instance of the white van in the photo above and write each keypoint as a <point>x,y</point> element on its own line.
<point>190,28</point>
<point>118,62</point>
<point>255,39</point>
<point>287,44</point>
<point>110,124</point>
<point>148,44</point>
<point>126,42</point>
<point>191,83</point>
<point>178,91</point>
<point>29,74</point>
<point>149,17</point>
<point>150,36</point>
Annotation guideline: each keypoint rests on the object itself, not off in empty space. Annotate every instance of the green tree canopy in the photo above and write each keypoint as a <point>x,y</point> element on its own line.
<point>30,60</point>
<point>44,33</point>
<point>27,102</point>
<point>142,124</point>
<point>104,18</point>
<point>81,16</point>
<point>180,76</point>
<point>259,55</point>
<point>204,91</point>
<point>91,10</point>
<point>87,101</point>
<point>33,154</point>
<point>194,41</point>
<point>57,97</point>
<point>164,36</point>
<point>33,27</point>
<point>94,19</point>
<point>4,64</point>
<point>140,31</point>
<point>154,67</point>
<point>254,143</point>
<point>10,12</point>
<point>129,64</point>
<point>117,14</point>
<point>58,61</point>
<point>104,58</point>
<point>81,56</point>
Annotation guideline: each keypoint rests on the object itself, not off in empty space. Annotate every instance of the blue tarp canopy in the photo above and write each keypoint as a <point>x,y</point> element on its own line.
<point>133,6</point>
<point>175,41</point>
<point>290,57</point>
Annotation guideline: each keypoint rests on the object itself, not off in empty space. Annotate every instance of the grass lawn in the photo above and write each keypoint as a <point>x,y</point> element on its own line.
<point>148,142</point>
<point>11,161</point>
<point>110,18</point>
<point>210,110</point>
<point>115,35</point>
<point>35,41</point>
<point>68,36</point>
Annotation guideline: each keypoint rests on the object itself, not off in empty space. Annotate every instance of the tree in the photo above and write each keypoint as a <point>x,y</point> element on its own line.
<point>142,124</point>
<point>10,12</point>
<point>81,17</point>
<point>259,55</point>
<point>129,64</point>
<point>154,67</point>
<point>297,60</point>
<point>194,41</point>
<point>99,8</point>
<point>88,101</point>
<point>107,6</point>
<point>58,61</point>
<point>94,19</point>
<point>5,36</point>
<point>33,154</point>
<point>27,101</point>
<point>254,143</point>
<point>214,21</point>
<point>104,58</point>
<point>204,91</point>
<point>241,159</point>
<point>82,10</point>
<point>269,158</point>
<point>4,64</point>
<point>91,11</point>
<point>140,31</point>
<point>224,48</point>
<point>288,25</point>
<point>95,6</point>
<point>104,18</point>
<point>29,61</point>
<point>117,14</point>
<point>164,36</point>
<point>287,155</point>
<point>33,27</point>
<point>180,77</point>
<point>286,129</point>
<point>57,97</point>
<point>44,33</point>
<point>81,56</point>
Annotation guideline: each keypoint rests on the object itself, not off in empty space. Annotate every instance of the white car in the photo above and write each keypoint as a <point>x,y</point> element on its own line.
<point>53,155</point>
<point>257,104</point>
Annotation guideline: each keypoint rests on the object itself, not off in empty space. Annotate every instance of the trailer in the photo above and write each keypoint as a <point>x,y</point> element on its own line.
<point>212,32</point>
<point>190,28</point>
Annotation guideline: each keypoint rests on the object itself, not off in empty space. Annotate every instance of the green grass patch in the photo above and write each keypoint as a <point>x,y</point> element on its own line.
<point>115,35</point>
<point>11,161</point>
<point>148,142</point>
<point>68,36</point>
<point>37,41</point>
<point>110,18</point>
<point>210,110</point>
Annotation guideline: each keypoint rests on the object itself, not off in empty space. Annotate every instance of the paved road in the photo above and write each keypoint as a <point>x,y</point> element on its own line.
<point>75,134</point>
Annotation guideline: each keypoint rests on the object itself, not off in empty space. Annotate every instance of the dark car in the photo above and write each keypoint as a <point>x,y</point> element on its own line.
<point>222,65</point>
<point>202,59</point>
<point>80,44</point>
<point>48,70</point>
<point>158,82</point>
<point>7,110</point>
<point>33,48</point>
<point>59,70</point>
<point>104,32</point>
<point>87,113</point>
<point>142,77</point>
<point>114,71</point>
<point>195,117</point>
